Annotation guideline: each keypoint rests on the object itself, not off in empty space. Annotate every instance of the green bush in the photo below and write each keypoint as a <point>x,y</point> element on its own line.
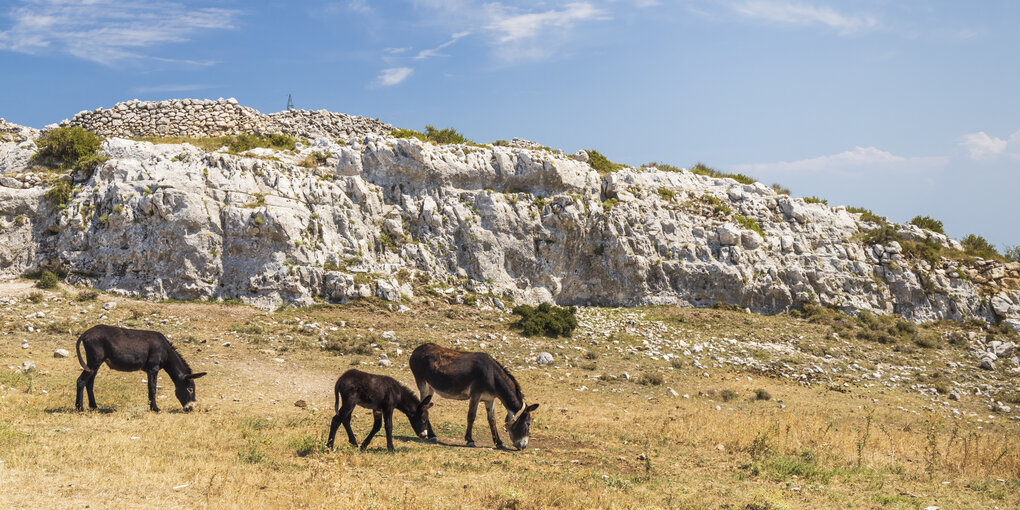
<point>762,394</point>
<point>664,167</point>
<point>978,246</point>
<point>700,168</point>
<point>245,142</point>
<point>47,280</point>
<point>780,189</point>
<point>60,194</point>
<point>545,320</point>
<point>601,164</point>
<point>929,223</point>
<point>1012,253</point>
<point>815,200</point>
<point>884,234</point>
<point>443,136</point>
<point>866,214</point>
<point>64,147</point>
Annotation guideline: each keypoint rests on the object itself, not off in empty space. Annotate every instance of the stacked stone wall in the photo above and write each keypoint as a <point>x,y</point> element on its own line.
<point>220,117</point>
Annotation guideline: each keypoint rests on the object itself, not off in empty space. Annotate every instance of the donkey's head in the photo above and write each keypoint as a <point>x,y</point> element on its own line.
<point>185,390</point>
<point>420,417</point>
<point>520,428</point>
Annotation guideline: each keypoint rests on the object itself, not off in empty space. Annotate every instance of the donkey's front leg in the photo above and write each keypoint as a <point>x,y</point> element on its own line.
<point>492,423</point>
<point>472,411</point>
<point>153,374</point>
<point>388,418</point>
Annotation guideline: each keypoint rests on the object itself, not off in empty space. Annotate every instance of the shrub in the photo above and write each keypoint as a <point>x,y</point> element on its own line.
<point>650,379</point>
<point>866,214</point>
<point>779,189</point>
<point>700,168</point>
<point>815,200</point>
<point>87,295</point>
<point>666,194</point>
<point>60,194</point>
<point>64,147</point>
<point>35,297</point>
<point>929,223</point>
<point>408,133</point>
<point>545,320</point>
<point>47,280</point>
<point>664,167</point>
<point>601,164</point>
<point>1012,253</point>
<point>884,234</point>
<point>762,394</point>
<point>245,142</point>
<point>446,135</point>
<point>728,395</point>
<point>978,246</point>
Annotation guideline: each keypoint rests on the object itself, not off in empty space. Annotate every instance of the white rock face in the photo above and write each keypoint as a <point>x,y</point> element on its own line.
<point>172,221</point>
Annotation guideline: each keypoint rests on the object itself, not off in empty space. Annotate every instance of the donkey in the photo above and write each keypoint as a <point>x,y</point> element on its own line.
<point>472,376</point>
<point>381,394</point>
<point>129,350</point>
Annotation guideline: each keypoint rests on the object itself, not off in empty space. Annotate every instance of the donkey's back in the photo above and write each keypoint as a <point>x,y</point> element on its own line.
<point>122,349</point>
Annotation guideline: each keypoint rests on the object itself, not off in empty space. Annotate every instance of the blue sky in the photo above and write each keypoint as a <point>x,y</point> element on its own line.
<point>907,107</point>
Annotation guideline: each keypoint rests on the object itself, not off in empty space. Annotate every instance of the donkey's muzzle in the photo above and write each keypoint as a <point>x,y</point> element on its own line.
<point>190,406</point>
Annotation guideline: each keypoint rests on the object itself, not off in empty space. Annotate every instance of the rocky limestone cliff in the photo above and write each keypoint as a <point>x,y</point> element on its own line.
<point>385,216</point>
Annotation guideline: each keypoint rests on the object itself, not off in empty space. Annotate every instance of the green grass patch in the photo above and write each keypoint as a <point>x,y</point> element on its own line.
<point>601,164</point>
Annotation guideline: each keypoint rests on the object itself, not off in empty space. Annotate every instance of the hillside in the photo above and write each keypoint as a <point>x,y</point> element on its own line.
<point>648,407</point>
<point>342,216</point>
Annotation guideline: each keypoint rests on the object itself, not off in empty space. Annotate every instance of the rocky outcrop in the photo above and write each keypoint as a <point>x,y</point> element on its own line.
<point>385,216</point>
<point>222,117</point>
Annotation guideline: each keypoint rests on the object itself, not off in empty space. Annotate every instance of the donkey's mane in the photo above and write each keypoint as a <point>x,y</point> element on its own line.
<point>513,380</point>
<point>187,368</point>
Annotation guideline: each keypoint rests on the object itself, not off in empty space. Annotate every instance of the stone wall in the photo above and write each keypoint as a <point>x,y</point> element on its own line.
<point>220,117</point>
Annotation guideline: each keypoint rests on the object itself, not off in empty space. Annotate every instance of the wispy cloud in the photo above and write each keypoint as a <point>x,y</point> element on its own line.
<point>798,13</point>
<point>513,27</point>
<point>859,161</point>
<point>170,88</point>
<point>434,52</point>
<point>393,76</point>
<point>109,32</point>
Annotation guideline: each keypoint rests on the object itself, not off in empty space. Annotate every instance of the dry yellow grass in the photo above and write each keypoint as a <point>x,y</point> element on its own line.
<point>627,445</point>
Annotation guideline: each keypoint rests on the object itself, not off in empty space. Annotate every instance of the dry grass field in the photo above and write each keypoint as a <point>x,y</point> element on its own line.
<point>599,440</point>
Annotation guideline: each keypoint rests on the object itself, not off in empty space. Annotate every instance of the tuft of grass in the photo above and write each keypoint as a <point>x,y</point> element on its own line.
<point>866,214</point>
<point>235,144</point>
<point>700,168</point>
<point>314,160</point>
<point>815,200</point>
<point>728,395</point>
<point>545,320</point>
<point>650,379</point>
<point>666,194</point>
<point>432,134</point>
<point>87,295</point>
<point>750,224</point>
<point>779,189</point>
<point>762,394</point>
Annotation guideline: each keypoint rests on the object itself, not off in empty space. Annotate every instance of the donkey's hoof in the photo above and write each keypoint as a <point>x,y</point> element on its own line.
<point>433,440</point>
<point>470,444</point>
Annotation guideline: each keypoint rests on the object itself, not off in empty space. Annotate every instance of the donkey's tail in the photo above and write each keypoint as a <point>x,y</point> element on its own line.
<point>336,405</point>
<point>77,348</point>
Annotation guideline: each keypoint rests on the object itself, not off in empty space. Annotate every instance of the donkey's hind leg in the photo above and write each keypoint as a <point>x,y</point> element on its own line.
<point>83,382</point>
<point>91,383</point>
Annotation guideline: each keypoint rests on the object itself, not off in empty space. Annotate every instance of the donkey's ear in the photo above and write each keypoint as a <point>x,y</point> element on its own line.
<point>531,408</point>
<point>426,404</point>
<point>195,376</point>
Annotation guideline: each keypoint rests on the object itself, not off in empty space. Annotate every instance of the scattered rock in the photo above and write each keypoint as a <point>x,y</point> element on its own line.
<point>544,358</point>
<point>301,403</point>
<point>385,362</point>
<point>671,392</point>
<point>109,305</point>
<point>61,353</point>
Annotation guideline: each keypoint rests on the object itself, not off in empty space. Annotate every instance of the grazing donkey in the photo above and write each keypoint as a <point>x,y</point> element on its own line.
<point>129,350</point>
<point>381,394</point>
<point>473,376</point>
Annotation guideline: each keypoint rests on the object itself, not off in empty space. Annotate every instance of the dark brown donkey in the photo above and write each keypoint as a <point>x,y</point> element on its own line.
<point>130,350</point>
<point>382,395</point>
<point>473,376</point>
